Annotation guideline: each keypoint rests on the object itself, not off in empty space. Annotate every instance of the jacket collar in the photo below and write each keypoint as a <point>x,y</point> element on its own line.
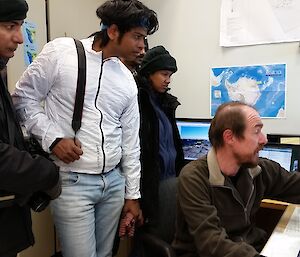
<point>3,62</point>
<point>216,177</point>
<point>88,46</point>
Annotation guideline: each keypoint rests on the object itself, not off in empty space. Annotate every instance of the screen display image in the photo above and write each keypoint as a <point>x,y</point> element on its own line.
<point>194,136</point>
<point>282,156</point>
<point>286,155</point>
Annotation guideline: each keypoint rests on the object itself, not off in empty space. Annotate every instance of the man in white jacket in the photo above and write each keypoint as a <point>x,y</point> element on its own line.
<point>100,163</point>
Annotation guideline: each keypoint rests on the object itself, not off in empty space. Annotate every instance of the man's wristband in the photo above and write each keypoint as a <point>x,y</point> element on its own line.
<point>55,142</point>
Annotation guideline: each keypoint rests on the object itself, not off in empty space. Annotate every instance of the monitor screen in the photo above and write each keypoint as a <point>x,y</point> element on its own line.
<point>194,137</point>
<point>285,154</point>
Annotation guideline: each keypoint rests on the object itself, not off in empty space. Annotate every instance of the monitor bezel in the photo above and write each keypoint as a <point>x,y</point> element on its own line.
<point>206,120</point>
<point>275,138</point>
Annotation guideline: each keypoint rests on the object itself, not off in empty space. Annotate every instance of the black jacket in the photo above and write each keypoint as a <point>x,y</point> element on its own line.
<point>20,176</point>
<point>149,137</point>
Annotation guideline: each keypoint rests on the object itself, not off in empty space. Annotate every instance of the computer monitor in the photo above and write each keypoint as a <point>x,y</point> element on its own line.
<point>194,137</point>
<point>287,155</point>
<point>284,138</point>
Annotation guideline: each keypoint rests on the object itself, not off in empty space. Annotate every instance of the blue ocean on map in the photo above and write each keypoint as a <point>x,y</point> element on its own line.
<point>262,86</point>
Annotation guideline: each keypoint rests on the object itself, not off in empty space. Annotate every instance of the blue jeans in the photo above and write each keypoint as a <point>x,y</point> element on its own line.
<point>87,212</point>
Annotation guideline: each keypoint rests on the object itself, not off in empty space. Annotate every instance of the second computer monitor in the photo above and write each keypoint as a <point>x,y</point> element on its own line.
<point>286,155</point>
<point>194,137</point>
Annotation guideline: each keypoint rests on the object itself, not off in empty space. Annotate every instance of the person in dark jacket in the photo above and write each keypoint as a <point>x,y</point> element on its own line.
<point>133,65</point>
<point>161,149</point>
<point>21,176</point>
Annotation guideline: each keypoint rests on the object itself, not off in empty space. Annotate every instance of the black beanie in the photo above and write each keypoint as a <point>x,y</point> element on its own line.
<point>155,59</point>
<point>11,10</point>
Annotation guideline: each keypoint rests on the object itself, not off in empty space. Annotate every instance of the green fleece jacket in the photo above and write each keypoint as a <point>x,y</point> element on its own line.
<point>215,216</point>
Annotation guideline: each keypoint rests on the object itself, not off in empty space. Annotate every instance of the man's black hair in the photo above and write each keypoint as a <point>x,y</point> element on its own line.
<point>126,14</point>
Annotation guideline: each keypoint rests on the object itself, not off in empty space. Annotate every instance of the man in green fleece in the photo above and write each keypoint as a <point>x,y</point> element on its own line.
<point>219,195</point>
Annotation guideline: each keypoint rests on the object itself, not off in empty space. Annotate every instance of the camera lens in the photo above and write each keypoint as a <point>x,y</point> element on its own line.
<point>39,201</point>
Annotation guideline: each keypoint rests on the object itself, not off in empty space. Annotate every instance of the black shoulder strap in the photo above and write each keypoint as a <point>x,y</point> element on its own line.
<point>80,91</point>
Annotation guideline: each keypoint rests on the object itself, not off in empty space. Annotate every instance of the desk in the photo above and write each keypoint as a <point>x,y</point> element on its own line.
<point>269,215</point>
<point>285,239</point>
<point>273,204</point>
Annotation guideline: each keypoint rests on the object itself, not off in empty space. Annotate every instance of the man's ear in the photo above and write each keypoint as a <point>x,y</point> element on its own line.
<point>113,32</point>
<point>228,136</point>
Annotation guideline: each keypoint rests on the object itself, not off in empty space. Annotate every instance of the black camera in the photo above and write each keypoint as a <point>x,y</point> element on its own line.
<point>39,201</point>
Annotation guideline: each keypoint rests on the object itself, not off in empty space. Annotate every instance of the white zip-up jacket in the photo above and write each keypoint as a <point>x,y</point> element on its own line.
<point>109,133</point>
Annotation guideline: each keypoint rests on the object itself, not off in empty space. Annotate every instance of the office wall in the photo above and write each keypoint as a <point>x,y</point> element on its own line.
<point>73,18</point>
<point>190,30</point>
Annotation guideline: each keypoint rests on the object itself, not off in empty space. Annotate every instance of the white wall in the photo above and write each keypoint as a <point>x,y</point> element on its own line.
<point>190,30</point>
<point>73,18</point>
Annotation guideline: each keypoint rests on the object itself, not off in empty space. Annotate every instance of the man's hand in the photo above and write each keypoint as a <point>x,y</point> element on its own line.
<point>68,150</point>
<point>131,216</point>
<point>140,219</point>
<point>132,206</point>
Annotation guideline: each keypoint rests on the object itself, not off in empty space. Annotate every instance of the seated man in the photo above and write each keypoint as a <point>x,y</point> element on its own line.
<point>220,194</point>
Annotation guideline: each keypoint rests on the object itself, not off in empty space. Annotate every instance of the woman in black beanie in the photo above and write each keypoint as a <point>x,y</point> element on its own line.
<point>161,150</point>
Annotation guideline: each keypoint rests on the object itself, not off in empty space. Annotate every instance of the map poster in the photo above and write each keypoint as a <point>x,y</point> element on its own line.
<point>30,45</point>
<point>262,86</point>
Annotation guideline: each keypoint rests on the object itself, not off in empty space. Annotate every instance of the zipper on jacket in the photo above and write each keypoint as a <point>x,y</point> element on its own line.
<point>236,198</point>
<point>245,207</point>
<point>101,115</point>
<point>247,204</point>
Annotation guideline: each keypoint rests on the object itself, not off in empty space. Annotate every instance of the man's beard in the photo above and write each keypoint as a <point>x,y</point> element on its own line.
<point>247,162</point>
